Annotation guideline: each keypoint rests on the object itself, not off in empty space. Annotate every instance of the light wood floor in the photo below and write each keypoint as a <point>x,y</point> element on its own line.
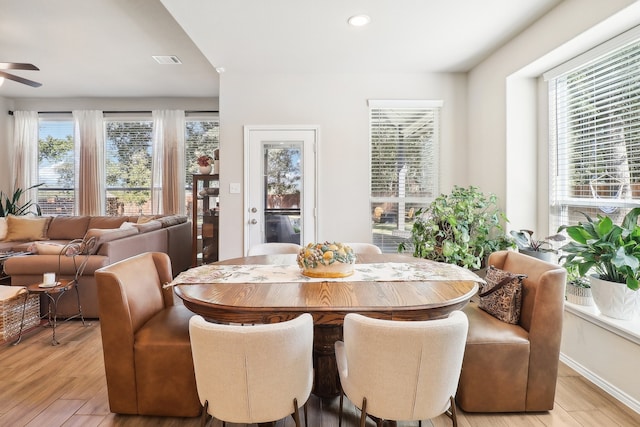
<point>46,386</point>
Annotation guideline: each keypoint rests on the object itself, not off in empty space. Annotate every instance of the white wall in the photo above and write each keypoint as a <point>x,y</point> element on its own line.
<point>502,103</point>
<point>6,138</point>
<point>337,103</point>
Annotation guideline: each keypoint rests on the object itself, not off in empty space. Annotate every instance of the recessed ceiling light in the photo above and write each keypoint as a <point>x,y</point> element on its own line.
<point>359,20</point>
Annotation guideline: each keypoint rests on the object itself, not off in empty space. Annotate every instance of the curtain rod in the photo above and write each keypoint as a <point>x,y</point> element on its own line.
<point>123,112</point>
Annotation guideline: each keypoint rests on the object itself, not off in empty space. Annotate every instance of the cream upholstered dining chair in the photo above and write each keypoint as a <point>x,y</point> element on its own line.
<point>401,370</point>
<point>274,248</point>
<point>364,248</point>
<point>253,374</point>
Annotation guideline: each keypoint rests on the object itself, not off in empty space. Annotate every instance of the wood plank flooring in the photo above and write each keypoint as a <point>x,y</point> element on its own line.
<point>46,386</point>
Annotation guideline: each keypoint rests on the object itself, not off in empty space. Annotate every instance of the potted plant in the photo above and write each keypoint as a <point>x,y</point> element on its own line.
<point>10,204</point>
<point>610,255</point>
<point>578,289</point>
<point>541,249</point>
<point>460,228</point>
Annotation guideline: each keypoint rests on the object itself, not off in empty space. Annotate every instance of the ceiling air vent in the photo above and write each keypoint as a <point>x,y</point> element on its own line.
<point>167,59</point>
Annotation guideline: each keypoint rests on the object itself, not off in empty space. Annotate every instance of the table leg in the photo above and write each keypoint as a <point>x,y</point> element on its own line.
<point>327,380</point>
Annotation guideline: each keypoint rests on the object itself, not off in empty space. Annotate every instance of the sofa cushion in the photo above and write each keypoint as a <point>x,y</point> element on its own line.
<point>3,228</point>
<point>68,227</point>
<point>149,226</point>
<point>26,228</point>
<point>104,235</point>
<point>168,221</point>
<point>46,248</point>
<point>106,221</point>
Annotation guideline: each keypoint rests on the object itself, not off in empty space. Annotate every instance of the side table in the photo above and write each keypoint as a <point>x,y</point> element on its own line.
<point>53,293</point>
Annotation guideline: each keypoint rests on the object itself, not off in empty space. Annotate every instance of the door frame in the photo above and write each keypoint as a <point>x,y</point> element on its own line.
<point>247,150</point>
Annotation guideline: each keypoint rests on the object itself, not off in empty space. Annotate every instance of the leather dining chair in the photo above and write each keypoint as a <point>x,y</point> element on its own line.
<point>145,339</point>
<point>514,368</point>
<point>253,374</point>
<point>401,370</point>
<point>274,248</point>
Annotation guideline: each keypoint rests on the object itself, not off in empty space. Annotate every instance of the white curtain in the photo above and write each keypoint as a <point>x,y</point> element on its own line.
<point>24,156</point>
<point>89,166</point>
<point>167,162</point>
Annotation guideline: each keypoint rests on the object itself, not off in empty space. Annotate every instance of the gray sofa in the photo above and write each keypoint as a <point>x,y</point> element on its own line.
<point>117,238</point>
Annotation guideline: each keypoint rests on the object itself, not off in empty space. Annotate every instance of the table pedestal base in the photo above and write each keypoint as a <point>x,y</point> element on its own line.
<point>327,380</point>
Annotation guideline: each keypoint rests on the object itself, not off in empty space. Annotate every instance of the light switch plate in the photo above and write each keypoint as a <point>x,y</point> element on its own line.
<point>234,188</point>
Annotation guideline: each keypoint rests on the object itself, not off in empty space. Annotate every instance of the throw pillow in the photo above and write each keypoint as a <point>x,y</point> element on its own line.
<point>25,228</point>
<point>47,248</point>
<point>501,296</point>
<point>3,228</point>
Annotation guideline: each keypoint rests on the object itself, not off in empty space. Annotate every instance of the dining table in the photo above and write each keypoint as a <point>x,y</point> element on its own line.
<point>271,288</point>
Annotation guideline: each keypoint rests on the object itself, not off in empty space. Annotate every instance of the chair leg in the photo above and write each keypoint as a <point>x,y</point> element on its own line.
<point>296,412</point>
<point>205,415</point>
<point>452,412</point>
<point>363,415</point>
<point>340,409</point>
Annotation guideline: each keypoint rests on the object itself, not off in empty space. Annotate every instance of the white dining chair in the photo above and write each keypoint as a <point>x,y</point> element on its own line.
<point>401,370</point>
<point>274,248</point>
<point>364,248</point>
<point>253,374</point>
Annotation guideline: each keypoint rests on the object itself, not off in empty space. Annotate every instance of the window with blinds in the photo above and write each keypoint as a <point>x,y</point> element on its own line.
<point>404,140</point>
<point>128,167</point>
<point>56,167</point>
<point>595,137</point>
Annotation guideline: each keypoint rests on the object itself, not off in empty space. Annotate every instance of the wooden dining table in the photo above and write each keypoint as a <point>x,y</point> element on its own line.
<point>328,301</point>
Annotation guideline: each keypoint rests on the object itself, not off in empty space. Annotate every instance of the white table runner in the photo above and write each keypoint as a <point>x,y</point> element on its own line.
<point>271,273</point>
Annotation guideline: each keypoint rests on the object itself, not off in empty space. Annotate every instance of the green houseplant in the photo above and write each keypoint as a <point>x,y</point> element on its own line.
<point>538,248</point>
<point>10,204</point>
<point>610,253</point>
<point>460,228</point>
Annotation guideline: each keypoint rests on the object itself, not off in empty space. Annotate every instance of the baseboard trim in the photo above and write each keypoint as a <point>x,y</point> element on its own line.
<point>607,387</point>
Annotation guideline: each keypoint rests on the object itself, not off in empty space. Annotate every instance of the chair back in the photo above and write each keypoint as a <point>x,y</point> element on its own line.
<point>364,248</point>
<point>129,294</point>
<point>274,248</point>
<point>251,374</point>
<point>406,370</point>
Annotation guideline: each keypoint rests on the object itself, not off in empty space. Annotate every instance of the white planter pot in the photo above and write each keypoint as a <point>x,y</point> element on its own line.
<point>545,256</point>
<point>614,299</point>
<point>579,295</point>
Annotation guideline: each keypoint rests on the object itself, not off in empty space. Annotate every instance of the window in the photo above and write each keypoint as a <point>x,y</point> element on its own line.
<point>56,170</point>
<point>128,167</point>
<point>404,138</point>
<point>128,145</point>
<point>595,136</point>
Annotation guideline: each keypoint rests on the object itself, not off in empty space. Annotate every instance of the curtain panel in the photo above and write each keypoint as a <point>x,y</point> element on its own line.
<point>24,156</point>
<point>167,162</point>
<point>89,164</point>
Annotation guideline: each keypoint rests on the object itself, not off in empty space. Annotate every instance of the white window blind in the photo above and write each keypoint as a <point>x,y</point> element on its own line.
<point>404,139</point>
<point>595,137</point>
<point>128,167</point>
<point>56,167</point>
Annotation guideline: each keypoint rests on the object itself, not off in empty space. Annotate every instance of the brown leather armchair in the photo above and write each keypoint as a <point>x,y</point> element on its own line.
<point>145,339</point>
<point>513,368</point>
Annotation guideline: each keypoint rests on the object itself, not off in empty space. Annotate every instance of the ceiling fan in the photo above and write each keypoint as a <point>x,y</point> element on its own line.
<point>18,66</point>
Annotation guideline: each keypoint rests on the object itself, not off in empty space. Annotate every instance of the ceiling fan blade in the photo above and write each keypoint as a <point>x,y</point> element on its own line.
<point>19,79</point>
<point>17,66</point>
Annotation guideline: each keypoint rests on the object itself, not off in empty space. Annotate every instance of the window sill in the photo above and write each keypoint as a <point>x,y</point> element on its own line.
<point>627,329</point>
